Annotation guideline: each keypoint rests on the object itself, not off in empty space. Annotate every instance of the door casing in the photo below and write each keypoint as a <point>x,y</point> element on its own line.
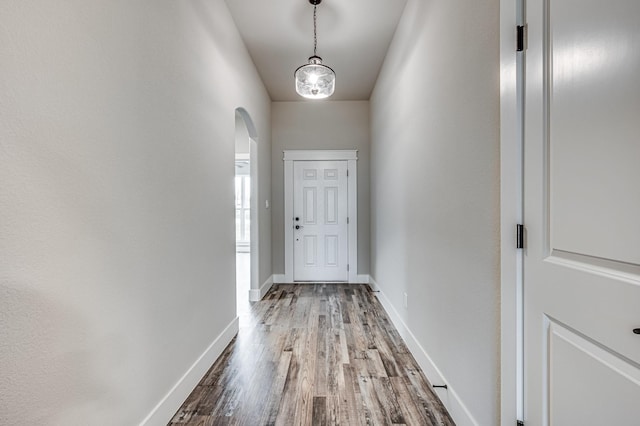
<point>351,157</point>
<point>511,213</point>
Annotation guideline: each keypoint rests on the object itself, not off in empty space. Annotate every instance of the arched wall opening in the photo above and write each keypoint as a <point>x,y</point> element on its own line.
<point>247,246</point>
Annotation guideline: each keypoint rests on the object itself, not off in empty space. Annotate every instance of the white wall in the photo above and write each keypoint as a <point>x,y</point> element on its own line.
<point>435,194</point>
<point>116,201</point>
<point>320,125</point>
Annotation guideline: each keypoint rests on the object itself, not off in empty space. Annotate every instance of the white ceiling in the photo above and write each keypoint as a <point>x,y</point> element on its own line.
<point>353,37</point>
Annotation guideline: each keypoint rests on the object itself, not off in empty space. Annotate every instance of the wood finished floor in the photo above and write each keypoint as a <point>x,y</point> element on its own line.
<point>315,354</point>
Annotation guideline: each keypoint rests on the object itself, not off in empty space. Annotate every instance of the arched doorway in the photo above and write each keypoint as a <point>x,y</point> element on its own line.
<point>246,190</point>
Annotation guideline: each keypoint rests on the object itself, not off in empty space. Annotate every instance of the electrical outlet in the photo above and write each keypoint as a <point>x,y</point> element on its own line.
<point>406,301</point>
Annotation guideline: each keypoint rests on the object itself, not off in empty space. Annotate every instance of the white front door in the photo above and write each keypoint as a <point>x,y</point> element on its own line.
<point>320,221</point>
<point>582,213</point>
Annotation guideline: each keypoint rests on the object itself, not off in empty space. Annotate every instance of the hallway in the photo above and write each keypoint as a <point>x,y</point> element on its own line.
<point>315,354</point>
<point>118,274</point>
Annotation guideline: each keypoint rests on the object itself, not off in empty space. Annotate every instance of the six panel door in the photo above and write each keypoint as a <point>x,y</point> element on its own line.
<point>320,221</point>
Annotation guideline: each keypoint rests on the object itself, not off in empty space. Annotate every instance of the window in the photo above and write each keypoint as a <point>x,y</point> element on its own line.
<point>243,212</point>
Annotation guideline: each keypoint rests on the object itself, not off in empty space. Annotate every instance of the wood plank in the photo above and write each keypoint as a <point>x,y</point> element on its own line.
<point>333,362</point>
<point>387,399</point>
<point>322,367</point>
<point>370,364</point>
<point>373,411</point>
<point>306,353</point>
<point>319,417</point>
<point>411,412</point>
<point>356,411</point>
<point>287,407</point>
<point>270,414</point>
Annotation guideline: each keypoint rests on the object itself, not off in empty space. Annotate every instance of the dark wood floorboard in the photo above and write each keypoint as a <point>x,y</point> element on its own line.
<point>315,354</point>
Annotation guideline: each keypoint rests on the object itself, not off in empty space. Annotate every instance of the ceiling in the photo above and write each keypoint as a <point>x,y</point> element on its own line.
<point>353,37</point>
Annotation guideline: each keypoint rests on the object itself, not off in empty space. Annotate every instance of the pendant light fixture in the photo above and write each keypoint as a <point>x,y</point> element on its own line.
<point>314,80</point>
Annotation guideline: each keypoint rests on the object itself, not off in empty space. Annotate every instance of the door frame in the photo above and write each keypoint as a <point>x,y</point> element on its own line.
<point>351,157</point>
<point>511,213</point>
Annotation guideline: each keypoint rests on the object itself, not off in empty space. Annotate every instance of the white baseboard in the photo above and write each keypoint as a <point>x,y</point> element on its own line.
<point>167,407</point>
<point>374,286</point>
<point>363,279</point>
<point>451,400</point>
<point>279,279</point>
<point>257,295</point>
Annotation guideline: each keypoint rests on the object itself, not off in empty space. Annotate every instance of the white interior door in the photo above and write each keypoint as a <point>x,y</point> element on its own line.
<point>320,221</point>
<point>582,213</point>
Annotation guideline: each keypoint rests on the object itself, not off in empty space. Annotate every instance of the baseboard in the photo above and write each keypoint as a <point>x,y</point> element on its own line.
<point>451,400</point>
<point>363,279</point>
<point>360,279</point>
<point>257,295</point>
<point>167,407</point>
<point>279,279</point>
<point>374,286</point>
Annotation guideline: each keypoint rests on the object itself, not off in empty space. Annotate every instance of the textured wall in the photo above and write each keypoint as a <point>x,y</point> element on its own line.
<point>435,190</point>
<point>320,125</point>
<point>116,200</point>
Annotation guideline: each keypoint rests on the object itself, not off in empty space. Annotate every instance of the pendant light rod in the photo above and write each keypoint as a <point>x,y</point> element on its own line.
<point>315,32</point>
<point>315,4</point>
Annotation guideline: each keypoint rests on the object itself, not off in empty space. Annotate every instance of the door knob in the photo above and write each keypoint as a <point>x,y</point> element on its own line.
<point>297,219</point>
<point>636,331</point>
<point>298,226</point>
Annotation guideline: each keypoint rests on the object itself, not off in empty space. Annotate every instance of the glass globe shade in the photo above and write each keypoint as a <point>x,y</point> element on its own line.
<point>314,80</point>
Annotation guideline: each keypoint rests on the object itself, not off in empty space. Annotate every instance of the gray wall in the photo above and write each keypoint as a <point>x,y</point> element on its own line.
<point>435,190</point>
<point>320,125</point>
<point>116,204</point>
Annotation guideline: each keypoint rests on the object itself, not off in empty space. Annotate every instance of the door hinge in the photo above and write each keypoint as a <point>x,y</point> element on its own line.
<point>347,221</point>
<point>519,423</point>
<point>521,38</point>
<point>347,172</point>
<point>347,267</point>
<point>519,236</point>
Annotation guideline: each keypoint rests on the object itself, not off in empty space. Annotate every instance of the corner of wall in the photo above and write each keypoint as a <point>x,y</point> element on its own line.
<point>167,407</point>
<point>363,279</point>
<point>257,295</point>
